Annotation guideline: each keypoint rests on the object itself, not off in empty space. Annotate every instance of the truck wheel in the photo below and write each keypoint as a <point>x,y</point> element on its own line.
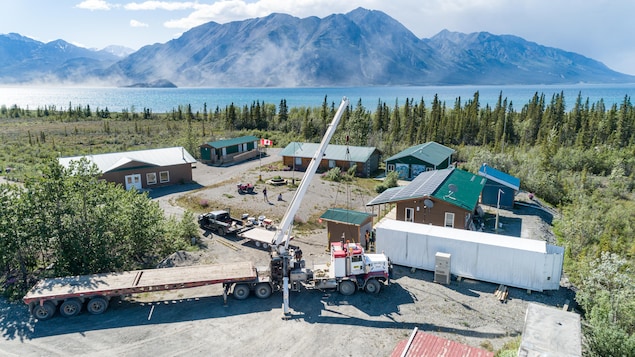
<point>70,307</point>
<point>263,290</point>
<point>44,311</point>
<point>373,286</point>
<point>241,291</point>
<point>221,231</point>
<point>347,287</point>
<point>97,305</point>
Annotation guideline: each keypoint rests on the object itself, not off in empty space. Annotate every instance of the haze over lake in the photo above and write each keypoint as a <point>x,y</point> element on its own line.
<point>161,100</point>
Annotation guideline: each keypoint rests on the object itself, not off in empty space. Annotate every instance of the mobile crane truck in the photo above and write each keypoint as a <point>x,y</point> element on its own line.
<point>348,270</point>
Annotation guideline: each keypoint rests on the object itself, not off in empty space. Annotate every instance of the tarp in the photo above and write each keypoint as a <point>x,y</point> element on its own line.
<point>517,262</point>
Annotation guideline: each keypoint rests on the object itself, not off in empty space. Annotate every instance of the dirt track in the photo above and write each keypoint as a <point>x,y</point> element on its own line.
<point>196,323</point>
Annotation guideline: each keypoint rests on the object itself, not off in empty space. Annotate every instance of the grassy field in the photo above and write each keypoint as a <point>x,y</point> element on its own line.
<point>26,142</point>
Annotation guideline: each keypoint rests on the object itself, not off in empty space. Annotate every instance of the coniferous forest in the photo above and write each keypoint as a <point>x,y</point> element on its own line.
<point>580,161</point>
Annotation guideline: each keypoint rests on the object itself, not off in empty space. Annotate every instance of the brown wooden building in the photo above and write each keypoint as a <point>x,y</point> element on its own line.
<point>347,225</point>
<point>446,198</point>
<point>143,169</point>
<point>298,156</point>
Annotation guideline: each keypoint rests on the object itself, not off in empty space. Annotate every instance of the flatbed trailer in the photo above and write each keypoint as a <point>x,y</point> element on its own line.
<point>70,293</point>
<point>261,237</point>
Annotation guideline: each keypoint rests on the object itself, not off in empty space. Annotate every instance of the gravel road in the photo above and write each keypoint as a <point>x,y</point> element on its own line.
<point>195,322</point>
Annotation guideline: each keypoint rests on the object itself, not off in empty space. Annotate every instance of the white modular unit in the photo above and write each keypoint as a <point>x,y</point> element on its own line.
<point>518,262</point>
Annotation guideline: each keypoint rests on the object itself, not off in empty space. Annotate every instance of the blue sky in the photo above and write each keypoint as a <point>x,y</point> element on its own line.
<point>600,29</point>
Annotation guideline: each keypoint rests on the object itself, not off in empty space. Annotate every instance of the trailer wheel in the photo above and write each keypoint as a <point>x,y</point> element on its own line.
<point>97,305</point>
<point>241,291</point>
<point>373,286</point>
<point>44,311</point>
<point>263,290</point>
<point>347,287</point>
<point>257,243</point>
<point>70,307</point>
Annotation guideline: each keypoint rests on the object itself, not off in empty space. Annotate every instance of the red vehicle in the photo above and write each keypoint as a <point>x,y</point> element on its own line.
<point>245,188</point>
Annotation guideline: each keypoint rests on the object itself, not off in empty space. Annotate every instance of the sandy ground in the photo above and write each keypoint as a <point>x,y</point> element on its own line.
<point>195,322</point>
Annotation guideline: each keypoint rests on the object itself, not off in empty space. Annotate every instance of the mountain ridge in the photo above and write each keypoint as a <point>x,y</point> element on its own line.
<point>360,48</point>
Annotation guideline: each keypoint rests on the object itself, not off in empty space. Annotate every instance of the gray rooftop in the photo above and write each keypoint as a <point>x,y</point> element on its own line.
<point>423,185</point>
<point>153,157</point>
<point>550,332</point>
<point>333,152</point>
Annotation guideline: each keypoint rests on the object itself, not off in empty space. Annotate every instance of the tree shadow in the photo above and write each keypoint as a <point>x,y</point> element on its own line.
<point>168,190</point>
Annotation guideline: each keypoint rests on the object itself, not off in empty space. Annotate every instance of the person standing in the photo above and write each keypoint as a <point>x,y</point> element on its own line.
<point>264,192</point>
<point>367,237</point>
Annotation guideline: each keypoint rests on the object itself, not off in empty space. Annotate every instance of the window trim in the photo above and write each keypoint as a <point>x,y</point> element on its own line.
<point>161,176</point>
<point>390,167</point>
<point>449,217</point>
<point>149,181</point>
<point>412,214</point>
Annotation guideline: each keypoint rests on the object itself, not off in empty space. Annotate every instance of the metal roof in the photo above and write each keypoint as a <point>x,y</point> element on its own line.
<point>464,235</point>
<point>333,152</point>
<point>461,189</point>
<point>231,142</point>
<point>430,152</point>
<point>153,157</point>
<point>421,344</point>
<point>345,216</point>
<point>423,185</point>
<point>499,177</point>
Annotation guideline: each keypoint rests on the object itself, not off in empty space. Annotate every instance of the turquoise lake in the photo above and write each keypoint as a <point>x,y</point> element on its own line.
<point>161,100</point>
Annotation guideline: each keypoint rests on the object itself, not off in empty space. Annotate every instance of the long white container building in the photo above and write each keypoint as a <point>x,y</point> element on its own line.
<point>517,262</point>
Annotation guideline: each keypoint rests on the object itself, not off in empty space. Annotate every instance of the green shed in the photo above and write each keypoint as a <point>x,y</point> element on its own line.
<point>229,150</point>
<point>347,225</point>
<point>420,158</point>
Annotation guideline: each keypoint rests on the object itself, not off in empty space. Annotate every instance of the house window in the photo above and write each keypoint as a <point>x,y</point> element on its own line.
<point>390,167</point>
<point>151,178</point>
<point>298,161</point>
<point>164,176</point>
<point>410,215</point>
<point>449,219</point>
<point>331,164</point>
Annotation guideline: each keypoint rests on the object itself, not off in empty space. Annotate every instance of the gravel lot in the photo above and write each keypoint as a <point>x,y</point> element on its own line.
<point>195,322</point>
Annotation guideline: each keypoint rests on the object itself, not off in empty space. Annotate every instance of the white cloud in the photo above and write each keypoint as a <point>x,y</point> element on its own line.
<point>233,10</point>
<point>135,23</point>
<point>94,5</point>
<point>161,5</point>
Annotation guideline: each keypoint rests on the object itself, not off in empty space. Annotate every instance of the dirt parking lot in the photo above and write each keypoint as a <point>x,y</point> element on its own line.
<point>195,322</point>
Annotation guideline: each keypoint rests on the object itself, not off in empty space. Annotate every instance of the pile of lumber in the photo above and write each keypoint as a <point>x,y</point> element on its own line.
<point>501,293</point>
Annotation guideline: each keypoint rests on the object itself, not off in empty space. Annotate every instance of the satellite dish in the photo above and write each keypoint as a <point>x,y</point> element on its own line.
<point>428,203</point>
<point>452,188</point>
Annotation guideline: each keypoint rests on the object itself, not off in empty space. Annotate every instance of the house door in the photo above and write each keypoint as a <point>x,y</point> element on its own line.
<point>410,215</point>
<point>133,182</point>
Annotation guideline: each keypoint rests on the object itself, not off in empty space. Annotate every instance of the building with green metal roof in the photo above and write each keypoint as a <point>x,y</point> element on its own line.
<point>447,197</point>
<point>420,158</point>
<point>347,225</point>
<point>229,150</point>
<point>298,156</point>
